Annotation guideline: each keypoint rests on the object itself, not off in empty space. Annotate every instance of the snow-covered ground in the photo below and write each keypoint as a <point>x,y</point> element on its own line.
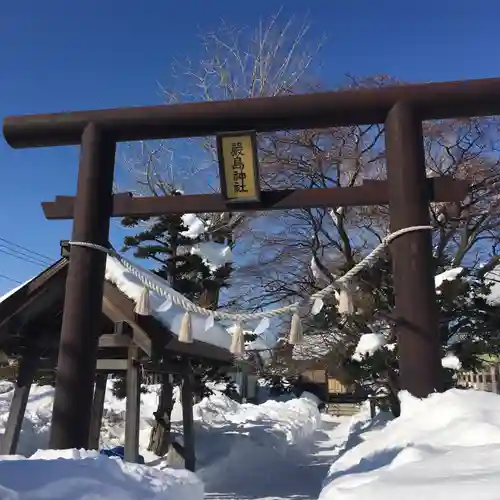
<point>242,451</point>
<point>445,446</point>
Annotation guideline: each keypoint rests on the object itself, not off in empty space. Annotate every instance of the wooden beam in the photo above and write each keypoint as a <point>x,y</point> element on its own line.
<point>188,422</point>
<point>97,410</point>
<point>166,367</point>
<point>123,328</point>
<point>114,340</point>
<point>371,192</point>
<point>17,409</point>
<point>113,303</point>
<point>133,406</point>
<point>265,114</point>
<point>111,365</point>
<point>154,337</point>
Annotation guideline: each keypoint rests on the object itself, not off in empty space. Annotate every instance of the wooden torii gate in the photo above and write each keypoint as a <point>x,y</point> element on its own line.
<point>407,191</point>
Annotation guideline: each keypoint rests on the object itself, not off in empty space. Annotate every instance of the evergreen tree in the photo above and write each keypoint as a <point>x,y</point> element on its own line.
<point>171,245</point>
<point>163,242</point>
<point>468,327</point>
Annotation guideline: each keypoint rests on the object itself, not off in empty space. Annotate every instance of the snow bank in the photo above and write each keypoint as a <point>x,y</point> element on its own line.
<point>81,475</point>
<point>233,441</point>
<point>446,446</point>
<point>36,423</point>
<point>237,441</point>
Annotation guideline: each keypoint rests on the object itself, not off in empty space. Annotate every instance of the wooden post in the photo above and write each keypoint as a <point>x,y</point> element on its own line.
<point>84,290</point>
<point>494,378</point>
<point>97,410</point>
<point>133,406</point>
<point>413,267</point>
<point>27,369</point>
<point>187,422</point>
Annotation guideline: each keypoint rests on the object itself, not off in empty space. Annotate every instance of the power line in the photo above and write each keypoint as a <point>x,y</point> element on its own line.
<point>24,254</point>
<point>11,243</point>
<point>24,258</point>
<point>3,276</point>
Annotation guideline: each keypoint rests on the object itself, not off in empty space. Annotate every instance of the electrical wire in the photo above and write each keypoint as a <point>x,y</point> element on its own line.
<point>11,243</point>
<point>8,278</point>
<point>23,257</point>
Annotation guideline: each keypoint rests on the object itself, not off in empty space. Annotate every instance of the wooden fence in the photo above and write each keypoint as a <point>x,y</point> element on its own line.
<point>485,380</point>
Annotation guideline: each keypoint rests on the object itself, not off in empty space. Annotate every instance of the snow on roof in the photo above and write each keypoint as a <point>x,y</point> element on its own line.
<point>130,286</point>
<point>14,290</point>
<point>260,346</point>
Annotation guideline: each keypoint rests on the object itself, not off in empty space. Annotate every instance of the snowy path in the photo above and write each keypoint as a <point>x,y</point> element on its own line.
<point>297,476</point>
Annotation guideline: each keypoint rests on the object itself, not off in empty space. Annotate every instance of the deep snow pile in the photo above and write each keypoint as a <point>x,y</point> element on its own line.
<point>447,446</point>
<point>232,441</point>
<point>36,424</point>
<point>85,475</point>
<point>236,441</point>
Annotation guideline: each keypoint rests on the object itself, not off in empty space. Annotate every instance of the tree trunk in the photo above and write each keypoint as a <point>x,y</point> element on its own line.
<point>394,402</point>
<point>159,441</point>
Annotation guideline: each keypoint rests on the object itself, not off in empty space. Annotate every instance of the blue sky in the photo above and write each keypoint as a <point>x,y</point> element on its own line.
<point>60,55</point>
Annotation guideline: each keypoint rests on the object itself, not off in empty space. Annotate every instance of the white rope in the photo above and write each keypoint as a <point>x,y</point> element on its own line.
<point>142,275</point>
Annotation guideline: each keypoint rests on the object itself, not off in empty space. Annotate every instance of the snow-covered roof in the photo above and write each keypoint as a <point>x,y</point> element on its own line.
<point>130,286</point>
<point>14,290</point>
<point>171,317</point>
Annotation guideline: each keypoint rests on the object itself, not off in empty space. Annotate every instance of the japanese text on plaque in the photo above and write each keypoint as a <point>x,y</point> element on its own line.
<point>239,167</point>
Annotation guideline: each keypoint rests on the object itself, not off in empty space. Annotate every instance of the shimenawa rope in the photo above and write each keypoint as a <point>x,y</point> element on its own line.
<point>142,275</point>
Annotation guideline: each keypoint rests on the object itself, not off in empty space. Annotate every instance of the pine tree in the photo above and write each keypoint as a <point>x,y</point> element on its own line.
<point>164,242</point>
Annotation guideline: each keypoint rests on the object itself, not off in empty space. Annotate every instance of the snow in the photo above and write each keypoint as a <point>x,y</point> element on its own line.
<point>493,279</point>
<point>241,448</point>
<point>170,314</point>
<point>214,255</point>
<point>451,362</point>
<point>449,275</point>
<point>195,226</point>
<point>367,345</point>
<point>446,446</point>
<point>325,257</point>
<point>82,475</point>
<point>14,290</point>
<point>259,344</point>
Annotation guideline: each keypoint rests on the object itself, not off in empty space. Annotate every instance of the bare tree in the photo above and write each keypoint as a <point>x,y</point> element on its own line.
<point>308,244</point>
<point>274,58</point>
